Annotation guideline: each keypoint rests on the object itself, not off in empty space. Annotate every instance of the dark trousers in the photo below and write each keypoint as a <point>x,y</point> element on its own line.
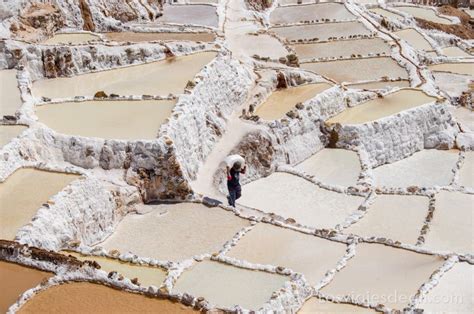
<point>235,192</point>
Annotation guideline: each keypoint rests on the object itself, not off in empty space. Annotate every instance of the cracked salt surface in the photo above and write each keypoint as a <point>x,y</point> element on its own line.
<point>293,197</point>
<point>226,286</point>
<point>174,232</point>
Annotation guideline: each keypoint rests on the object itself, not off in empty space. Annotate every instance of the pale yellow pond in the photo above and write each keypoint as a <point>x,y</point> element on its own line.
<point>71,38</point>
<point>9,132</point>
<point>10,100</point>
<point>153,36</point>
<point>459,68</point>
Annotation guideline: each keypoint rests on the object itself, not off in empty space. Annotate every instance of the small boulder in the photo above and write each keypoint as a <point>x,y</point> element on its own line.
<point>100,94</point>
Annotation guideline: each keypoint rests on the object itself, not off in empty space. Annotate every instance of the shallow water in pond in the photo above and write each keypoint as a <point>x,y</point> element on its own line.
<point>455,52</point>
<point>225,285</point>
<point>23,193</point>
<point>333,166</point>
<point>10,100</point>
<point>321,31</point>
<point>425,14</point>
<point>456,288</point>
<point>385,13</point>
<point>148,36</point>
<point>310,12</point>
<point>459,68</point>
<point>356,70</point>
<point>268,46</point>
<point>395,217</point>
<point>414,39</point>
<point>452,224</point>
<point>73,38</point>
<point>155,78</point>
<point>344,48</point>
<point>9,132</point>
<point>82,297</point>
<point>466,174</point>
<point>196,14</point>
<point>382,107</point>
<point>293,197</point>
<point>270,245</point>
<point>426,168</point>
<point>319,306</point>
<point>381,85</point>
<point>382,272</point>
<point>175,232</point>
<point>283,100</point>
<point>126,120</point>
<point>16,279</point>
<point>146,275</point>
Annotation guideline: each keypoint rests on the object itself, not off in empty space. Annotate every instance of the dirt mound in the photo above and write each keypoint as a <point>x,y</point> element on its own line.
<point>463,30</point>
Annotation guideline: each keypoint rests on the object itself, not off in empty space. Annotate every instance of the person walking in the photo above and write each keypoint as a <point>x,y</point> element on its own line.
<point>233,182</point>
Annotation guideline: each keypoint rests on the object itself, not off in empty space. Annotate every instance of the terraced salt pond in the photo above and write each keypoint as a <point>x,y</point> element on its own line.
<point>135,37</point>
<point>15,280</point>
<point>145,79</point>
<point>395,217</point>
<point>293,197</point>
<point>23,193</point>
<point>426,168</point>
<point>126,120</point>
<point>283,100</point>
<point>383,273</point>
<point>174,232</point>
<point>455,286</point>
<point>326,166</point>
<point>268,46</point>
<point>414,39</point>
<point>459,68</point>
<point>82,297</point>
<point>452,84</point>
<point>452,224</point>
<point>310,12</point>
<point>71,38</point>
<point>321,31</point>
<point>270,245</point>
<point>464,117</point>
<point>381,107</point>
<point>10,100</point>
<point>381,84</point>
<point>196,14</point>
<point>455,52</point>
<point>342,48</point>
<point>146,275</point>
<point>315,305</point>
<point>226,286</point>
<point>466,174</point>
<point>385,13</point>
<point>356,70</point>
<point>9,132</point>
<point>424,13</point>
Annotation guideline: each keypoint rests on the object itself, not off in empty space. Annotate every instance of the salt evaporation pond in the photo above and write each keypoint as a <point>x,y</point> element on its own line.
<point>356,70</point>
<point>381,107</point>
<point>268,46</point>
<point>455,52</point>
<point>310,12</point>
<point>146,275</point>
<point>452,224</point>
<point>293,197</point>
<point>175,232</point>
<point>315,305</point>
<point>459,68</point>
<point>464,116</point>
<point>414,39</point>
<point>225,286</point>
<point>136,37</point>
<point>466,173</point>
<point>71,38</point>
<point>428,14</point>
<point>196,14</point>
<point>385,273</point>
<point>155,78</point>
<point>333,166</point>
<point>16,279</point>
<point>426,168</point>
<point>126,120</point>
<point>10,100</point>
<point>23,193</point>
<point>395,217</point>
<point>84,297</point>
<point>381,84</point>
<point>321,31</point>
<point>9,132</point>
<point>270,245</point>
<point>455,287</point>
<point>283,100</point>
<point>452,84</point>
<point>385,13</point>
<point>342,48</point>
